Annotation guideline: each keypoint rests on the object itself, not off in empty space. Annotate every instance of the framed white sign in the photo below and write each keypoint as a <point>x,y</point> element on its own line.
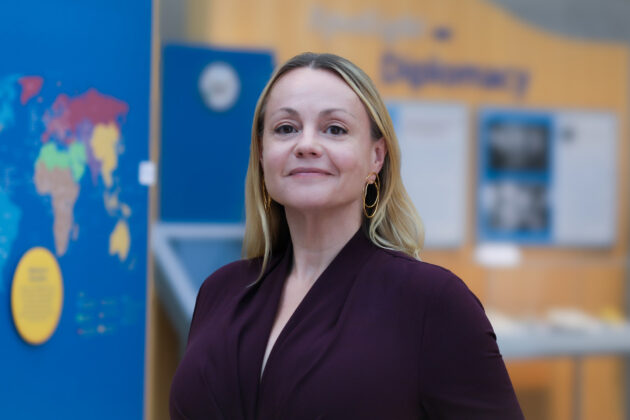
<point>433,140</point>
<point>585,179</point>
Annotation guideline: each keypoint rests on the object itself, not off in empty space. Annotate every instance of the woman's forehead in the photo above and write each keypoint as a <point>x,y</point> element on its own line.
<point>312,87</point>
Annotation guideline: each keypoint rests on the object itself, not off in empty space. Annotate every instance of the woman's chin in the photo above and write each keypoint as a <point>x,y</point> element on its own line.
<point>307,205</point>
<point>314,205</point>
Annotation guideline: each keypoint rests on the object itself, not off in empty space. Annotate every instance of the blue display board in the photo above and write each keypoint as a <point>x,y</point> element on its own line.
<point>74,119</point>
<point>209,97</point>
<point>515,176</point>
<point>548,177</point>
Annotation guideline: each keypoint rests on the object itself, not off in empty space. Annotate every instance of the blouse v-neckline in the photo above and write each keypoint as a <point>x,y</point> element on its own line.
<point>322,303</point>
<point>289,256</point>
<point>271,340</point>
<point>286,270</point>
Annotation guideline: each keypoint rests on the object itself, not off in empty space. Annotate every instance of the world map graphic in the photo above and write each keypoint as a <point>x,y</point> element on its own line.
<point>75,119</point>
<point>57,149</point>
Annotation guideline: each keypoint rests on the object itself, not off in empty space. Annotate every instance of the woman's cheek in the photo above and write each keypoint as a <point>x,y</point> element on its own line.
<point>272,160</point>
<point>350,162</point>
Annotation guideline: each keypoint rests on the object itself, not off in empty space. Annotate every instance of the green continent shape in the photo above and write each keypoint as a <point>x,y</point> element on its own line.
<point>74,158</point>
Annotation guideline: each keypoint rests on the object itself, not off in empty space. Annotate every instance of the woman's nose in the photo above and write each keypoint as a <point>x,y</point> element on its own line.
<point>308,145</point>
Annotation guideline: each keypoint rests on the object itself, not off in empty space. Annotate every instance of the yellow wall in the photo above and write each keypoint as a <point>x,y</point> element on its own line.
<point>565,73</point>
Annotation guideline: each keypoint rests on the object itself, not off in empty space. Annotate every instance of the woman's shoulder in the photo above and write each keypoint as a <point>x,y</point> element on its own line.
<point>392,263</point>
<point>427,290</point>
<point>237,269</point>
<point>417,278</point>
<point>230,278</point>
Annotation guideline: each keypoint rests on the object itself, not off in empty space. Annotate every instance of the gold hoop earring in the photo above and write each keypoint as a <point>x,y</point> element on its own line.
<point>266,198</point>
<point>374,206</point>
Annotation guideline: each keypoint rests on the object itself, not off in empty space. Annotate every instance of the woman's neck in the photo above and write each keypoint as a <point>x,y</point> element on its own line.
<point>317,237</point>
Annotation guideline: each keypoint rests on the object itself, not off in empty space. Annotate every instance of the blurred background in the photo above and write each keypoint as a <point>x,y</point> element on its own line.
<point>124,138</point>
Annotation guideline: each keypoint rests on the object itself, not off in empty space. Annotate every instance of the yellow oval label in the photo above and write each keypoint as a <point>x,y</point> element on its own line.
<point>37,295</point>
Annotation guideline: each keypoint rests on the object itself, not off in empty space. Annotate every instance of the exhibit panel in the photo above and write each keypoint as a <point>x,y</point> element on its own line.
<point>208,100</point>
<point>548,177</point>
<point>74,120</point>
<point>433,136</point>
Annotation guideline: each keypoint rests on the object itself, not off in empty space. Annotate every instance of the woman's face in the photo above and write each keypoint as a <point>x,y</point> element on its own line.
<point>316,147</point>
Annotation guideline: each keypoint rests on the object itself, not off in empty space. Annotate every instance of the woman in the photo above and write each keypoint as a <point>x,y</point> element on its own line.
<point>332,316</point>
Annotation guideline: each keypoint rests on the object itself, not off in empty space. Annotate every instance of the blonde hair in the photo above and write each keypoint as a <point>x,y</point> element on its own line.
<point>396,224</point>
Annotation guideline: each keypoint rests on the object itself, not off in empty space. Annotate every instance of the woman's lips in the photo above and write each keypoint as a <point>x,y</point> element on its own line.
<point>308,171</point>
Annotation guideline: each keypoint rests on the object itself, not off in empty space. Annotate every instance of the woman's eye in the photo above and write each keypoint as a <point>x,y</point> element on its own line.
<point>335,130</point>
<point>284,129</point>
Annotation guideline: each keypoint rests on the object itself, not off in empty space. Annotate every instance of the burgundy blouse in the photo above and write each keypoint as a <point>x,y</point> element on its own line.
<point>379,335</point>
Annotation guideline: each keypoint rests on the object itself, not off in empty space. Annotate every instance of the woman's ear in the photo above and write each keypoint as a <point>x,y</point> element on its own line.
<point>379,151</point>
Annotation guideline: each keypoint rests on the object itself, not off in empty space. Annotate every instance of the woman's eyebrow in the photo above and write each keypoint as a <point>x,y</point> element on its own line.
<point>329,111</point>
<point>292,112</point>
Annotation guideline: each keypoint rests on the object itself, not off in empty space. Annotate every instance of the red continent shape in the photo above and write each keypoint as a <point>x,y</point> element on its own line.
<point>67,113</point>
<point>31,85</point>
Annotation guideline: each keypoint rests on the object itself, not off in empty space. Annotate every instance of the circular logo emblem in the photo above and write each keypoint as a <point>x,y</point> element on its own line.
<point>219,86</point>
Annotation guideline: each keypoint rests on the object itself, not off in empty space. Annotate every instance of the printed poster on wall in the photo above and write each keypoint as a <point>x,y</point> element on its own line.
<point>585,181</point>
<point>433,140</point>
<point>547,177</point>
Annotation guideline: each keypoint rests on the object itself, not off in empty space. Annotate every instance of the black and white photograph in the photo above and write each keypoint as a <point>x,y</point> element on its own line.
<point>519,145</point>
<point>516,208</point>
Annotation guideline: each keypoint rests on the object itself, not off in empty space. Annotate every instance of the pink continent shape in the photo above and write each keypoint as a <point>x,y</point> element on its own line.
<point>67,114</point>
<point>31,86</point>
